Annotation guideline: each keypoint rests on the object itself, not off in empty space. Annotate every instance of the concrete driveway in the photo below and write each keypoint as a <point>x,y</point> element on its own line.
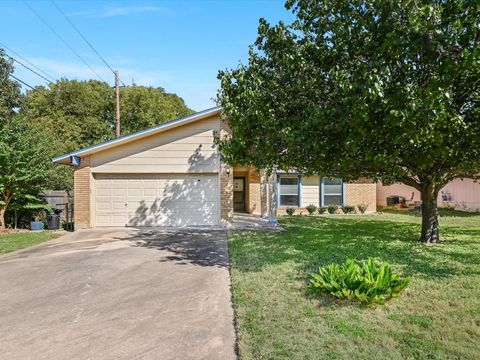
<point>118,294</point>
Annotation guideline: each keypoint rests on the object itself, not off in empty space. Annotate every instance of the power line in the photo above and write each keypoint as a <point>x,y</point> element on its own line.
<point>81,35</point>
<point>28,85</point>
<point>23,82</point>
<point>61,38</point>
<point>33,71</point>
<point>26,60</point>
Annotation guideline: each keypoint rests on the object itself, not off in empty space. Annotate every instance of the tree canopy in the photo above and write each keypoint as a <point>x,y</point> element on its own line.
<point>25,162</point>
<point>9,90</point>
<point>388,90</point>
<point>82,113</point>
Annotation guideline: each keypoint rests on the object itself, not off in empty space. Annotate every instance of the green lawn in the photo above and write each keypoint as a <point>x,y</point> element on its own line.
<point>15,241</point>
<point>438,317</point>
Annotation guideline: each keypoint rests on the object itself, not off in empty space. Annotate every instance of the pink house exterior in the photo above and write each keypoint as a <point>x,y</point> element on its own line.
<point>461,194</point>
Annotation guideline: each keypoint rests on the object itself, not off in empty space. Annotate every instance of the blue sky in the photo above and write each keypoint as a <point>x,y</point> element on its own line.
<point>178,45</point>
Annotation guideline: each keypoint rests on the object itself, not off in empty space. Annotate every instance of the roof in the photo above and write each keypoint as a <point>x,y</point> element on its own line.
<point>140,134</point>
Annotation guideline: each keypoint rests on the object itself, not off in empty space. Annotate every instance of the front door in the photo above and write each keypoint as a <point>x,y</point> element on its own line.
<point>239,194</point>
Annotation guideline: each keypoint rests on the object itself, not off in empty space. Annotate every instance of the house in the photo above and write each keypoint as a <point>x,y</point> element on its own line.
<point>460,194</point>
<point>172,175</point>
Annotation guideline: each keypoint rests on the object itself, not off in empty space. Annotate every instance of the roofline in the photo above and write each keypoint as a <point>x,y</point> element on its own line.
<point>149,131</point>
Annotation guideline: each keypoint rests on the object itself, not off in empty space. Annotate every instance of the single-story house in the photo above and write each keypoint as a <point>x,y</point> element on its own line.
<point>172,175</point>
<point>461,194</point>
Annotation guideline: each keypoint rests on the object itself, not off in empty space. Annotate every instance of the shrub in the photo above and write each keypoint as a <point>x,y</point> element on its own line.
<point>348,209</point>
<point>332,209</point>
<point>311,209</point>
<point>322,210</point>
<point>367,282</point>
<point>290,211</point>
<point>362,208</point>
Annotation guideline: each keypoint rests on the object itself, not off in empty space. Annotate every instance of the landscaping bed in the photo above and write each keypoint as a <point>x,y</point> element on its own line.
<point>279,317</point>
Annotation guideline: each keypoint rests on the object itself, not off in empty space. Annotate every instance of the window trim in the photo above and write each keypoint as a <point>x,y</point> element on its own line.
<point>299,190</point>
<point>322,192</point>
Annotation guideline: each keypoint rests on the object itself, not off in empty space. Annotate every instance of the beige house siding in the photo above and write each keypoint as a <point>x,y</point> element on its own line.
<point>185,149</point>
<point>82,194</point>
<point>311,191</point>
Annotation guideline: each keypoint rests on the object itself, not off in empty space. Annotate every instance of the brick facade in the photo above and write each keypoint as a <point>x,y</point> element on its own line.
<point>362,191</point>
<point>81,193</point>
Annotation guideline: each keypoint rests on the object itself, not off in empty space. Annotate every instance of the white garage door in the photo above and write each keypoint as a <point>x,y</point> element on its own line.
<point>156,200</point>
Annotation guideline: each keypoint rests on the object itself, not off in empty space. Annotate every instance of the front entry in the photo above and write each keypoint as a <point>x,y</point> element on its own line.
<point>239,194</point>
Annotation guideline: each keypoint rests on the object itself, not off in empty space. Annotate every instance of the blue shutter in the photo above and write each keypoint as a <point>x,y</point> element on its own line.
<point>299,190</point>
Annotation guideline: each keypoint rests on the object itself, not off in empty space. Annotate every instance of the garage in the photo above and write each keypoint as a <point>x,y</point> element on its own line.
<point>156,200</point>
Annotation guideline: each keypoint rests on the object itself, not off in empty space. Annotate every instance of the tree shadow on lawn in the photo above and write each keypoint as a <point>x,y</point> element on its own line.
<point>312,242</point>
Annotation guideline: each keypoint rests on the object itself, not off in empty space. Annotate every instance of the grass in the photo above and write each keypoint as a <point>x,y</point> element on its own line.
<point>19,240</point>
<point>437,317</point>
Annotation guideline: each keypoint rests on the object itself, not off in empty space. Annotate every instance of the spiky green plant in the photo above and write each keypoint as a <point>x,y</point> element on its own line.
<point>368,282</point>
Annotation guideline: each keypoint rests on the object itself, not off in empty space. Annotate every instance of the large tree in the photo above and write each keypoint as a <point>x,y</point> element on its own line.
<point>25,163</point>
<point>9,90</point>
<point>145,106</point>
<point>81,113</point>
<point>384,89</point>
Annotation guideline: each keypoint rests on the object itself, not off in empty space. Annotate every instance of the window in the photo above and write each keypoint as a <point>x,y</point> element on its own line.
<point>332,192</point>
<point>288,191</point>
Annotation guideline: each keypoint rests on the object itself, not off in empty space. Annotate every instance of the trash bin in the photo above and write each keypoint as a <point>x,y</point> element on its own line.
<point>53,222</point>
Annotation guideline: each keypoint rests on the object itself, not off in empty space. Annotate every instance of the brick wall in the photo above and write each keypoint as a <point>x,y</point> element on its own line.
<point>254,193</point>
<point>81,193</point>
<point>226,183</point>
<point>362,191</point>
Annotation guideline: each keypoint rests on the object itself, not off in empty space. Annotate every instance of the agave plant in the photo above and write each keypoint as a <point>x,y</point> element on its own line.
<point>368,282</point>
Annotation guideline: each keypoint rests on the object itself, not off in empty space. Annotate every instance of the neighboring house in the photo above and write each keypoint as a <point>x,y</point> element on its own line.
<point>460,194</point>
<point>172,175</point>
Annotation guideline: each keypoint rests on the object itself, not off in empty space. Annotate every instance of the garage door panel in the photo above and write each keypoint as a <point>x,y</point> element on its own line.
<point>156,200</point>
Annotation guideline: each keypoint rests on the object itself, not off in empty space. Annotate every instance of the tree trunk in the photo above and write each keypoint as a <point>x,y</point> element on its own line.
<point>2,217</point>
<point>430,226</point>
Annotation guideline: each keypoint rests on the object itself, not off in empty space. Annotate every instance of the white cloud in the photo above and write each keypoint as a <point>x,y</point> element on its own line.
<point>129,10</point>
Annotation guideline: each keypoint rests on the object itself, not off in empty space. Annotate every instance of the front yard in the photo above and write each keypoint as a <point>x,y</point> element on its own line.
<point>22,239</point>
<point>279,318</point>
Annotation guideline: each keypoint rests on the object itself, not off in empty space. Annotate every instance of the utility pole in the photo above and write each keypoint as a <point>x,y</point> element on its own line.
<point>117,104</point>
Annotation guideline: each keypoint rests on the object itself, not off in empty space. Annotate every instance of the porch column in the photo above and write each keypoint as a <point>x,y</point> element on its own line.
<point>272,198</point>
<point>263,194</point>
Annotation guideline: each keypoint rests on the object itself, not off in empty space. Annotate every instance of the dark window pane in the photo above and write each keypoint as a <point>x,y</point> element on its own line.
<point>332,200</point>
<point>288,180</point>
<point>288,200</point>
<point>328,181</point>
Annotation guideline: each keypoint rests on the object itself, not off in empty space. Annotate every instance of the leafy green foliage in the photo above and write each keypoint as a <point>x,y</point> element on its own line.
<point>25,164</point>
<point>290,211</point>
<point>322,210</point>
<point>362,208</point>
<point>311,209</point>
<point>9,89</point>
<point>386,90</point>
<point>348,209</point>
<point>332,209</point>
<point>368,282</point>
